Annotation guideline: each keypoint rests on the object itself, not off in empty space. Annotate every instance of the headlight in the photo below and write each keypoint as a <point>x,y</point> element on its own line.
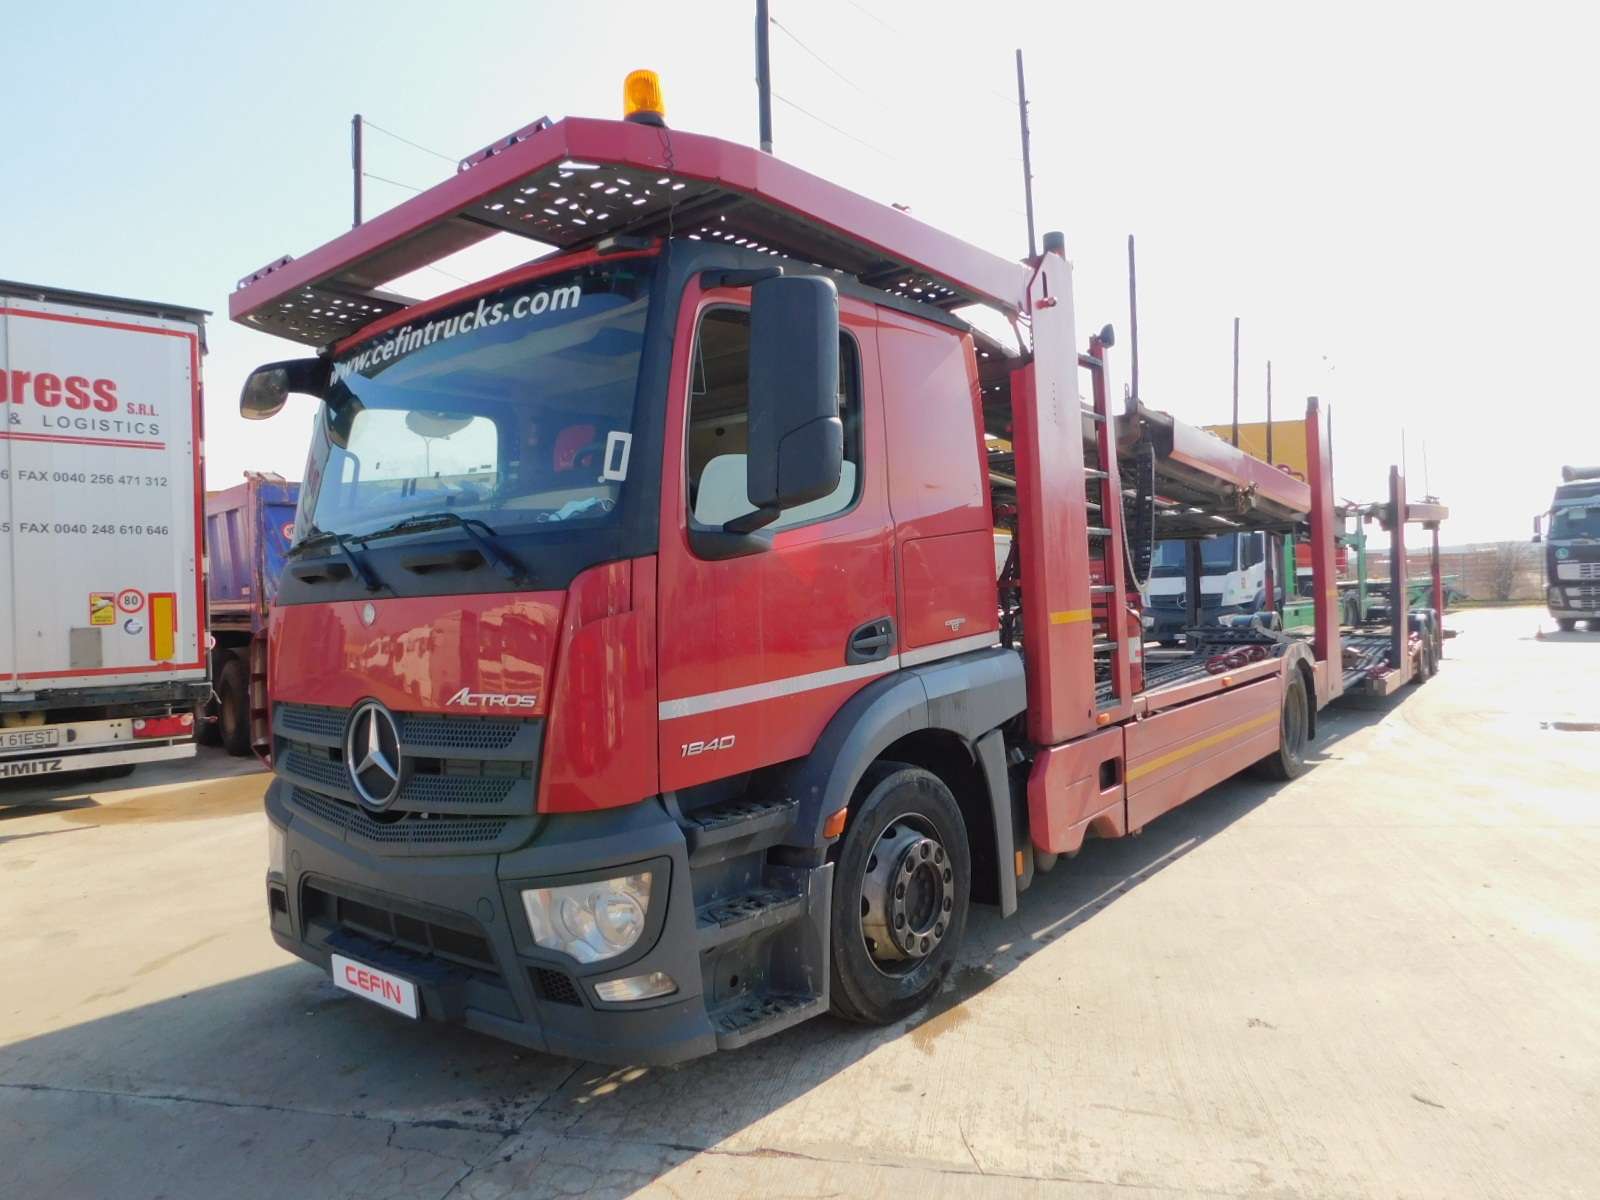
<point>590,921</point>
<point>275,853</point>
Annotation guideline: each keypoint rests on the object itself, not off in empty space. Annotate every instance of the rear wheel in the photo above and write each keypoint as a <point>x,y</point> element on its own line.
<point>233,700</point>
<point>901,890</point>
<point>1288,761</point>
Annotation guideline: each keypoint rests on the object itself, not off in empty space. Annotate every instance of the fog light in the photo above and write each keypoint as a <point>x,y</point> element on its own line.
<point>276,857</point>
<point>590,921</point>
<point>636,987</point>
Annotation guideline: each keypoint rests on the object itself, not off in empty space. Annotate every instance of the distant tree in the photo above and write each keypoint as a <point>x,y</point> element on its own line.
<point>1507,560</point>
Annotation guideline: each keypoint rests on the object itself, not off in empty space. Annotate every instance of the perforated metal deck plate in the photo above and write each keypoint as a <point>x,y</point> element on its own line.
<point>579,181</point>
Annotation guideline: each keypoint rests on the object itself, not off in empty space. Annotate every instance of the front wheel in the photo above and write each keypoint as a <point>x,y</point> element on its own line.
<point>1567,624</point>
<point>901,890</point>
<point>1288,761</point>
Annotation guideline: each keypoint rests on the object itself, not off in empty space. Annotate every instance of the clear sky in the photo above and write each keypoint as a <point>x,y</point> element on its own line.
<point>1399,200</point>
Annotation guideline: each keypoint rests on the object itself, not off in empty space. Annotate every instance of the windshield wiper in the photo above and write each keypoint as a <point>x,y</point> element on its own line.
<point>480,532</point>
<point>358,564</point>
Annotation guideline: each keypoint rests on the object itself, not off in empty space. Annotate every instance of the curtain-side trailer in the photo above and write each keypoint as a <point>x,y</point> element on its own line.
<point>102,638</point>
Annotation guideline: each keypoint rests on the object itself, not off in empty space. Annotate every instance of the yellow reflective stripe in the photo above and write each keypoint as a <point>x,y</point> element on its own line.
<point>1155,764</point>
<point>163,626</point>
<point>1069,616</point>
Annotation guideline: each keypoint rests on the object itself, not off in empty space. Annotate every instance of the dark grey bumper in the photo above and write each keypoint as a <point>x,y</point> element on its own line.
<point>490,976</point>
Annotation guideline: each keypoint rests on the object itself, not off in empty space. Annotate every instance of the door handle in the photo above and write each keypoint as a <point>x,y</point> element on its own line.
<point>871,642</point>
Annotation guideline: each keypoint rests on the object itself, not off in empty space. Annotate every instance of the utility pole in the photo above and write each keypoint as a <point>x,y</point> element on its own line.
<point>1269,412</point>
<point>355,166</point>
<point>1236,381</point>
<point>764,75</point>
<point>1027,158</point>
<point>1133,317</point>
<point>1272,546</point>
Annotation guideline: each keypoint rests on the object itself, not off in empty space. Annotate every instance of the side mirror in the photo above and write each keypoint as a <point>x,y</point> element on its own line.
<point>1538,523</point>
<point>267,387</point>
<point>796,440</point>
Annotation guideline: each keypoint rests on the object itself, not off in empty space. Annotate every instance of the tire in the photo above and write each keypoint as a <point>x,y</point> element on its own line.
<point>1348,613</point>
<point>1566,624</point>
<point>904,861</point>
<point>233,719</point>
<point>1288,761</point>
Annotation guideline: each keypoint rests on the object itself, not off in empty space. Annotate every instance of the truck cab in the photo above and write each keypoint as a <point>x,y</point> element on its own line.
<point>1233,579</point>
<point>1572,549</point>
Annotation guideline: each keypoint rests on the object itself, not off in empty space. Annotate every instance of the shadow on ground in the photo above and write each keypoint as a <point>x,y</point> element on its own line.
<point>285,1041</point>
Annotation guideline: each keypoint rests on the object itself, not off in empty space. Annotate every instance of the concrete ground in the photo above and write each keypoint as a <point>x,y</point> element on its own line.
<point>1380,980</point>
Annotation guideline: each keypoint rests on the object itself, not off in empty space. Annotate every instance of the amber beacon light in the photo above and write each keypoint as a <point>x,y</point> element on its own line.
<point>641,98</point>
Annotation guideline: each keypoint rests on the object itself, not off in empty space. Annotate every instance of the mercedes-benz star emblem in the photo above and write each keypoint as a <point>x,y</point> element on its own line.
<point>372,753</point>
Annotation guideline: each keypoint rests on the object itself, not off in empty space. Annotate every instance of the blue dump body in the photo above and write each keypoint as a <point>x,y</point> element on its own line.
<point>249,529</point>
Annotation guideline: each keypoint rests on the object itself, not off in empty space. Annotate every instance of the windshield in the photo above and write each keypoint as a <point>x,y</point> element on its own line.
<point>1576,522</point>
<point>514,409</point>
<point>1216,555</point>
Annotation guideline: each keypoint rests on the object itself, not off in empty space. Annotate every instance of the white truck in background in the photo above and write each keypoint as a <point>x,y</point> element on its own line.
<point>1233,579</point>
<point>102,633</point>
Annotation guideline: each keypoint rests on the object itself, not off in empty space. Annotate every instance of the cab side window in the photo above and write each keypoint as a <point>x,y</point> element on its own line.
<point>719,408</point>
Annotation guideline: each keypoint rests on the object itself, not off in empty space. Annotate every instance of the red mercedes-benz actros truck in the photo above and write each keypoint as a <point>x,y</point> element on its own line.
<point>641,682</point>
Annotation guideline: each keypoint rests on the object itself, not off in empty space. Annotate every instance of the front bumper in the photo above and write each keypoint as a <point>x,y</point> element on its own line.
<point>1169,624</point>
<point>454,925</point>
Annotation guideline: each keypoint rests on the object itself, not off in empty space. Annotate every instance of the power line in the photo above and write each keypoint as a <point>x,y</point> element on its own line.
<point>414,145</point>
<point>830,125</point>
<point>964,65</point>
<point>866,12</point>
<point>392,182</point>
<point>838,74</point>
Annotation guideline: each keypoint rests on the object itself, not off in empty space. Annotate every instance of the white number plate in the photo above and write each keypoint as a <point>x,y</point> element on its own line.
<point>29,739</point>
<point>378,986</point>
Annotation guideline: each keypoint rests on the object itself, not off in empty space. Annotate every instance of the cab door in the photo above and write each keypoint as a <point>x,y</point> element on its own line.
<point>756,653</point>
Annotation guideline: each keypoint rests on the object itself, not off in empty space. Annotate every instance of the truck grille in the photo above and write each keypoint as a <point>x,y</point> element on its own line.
<point>414,830</point>
<point>452,766</point>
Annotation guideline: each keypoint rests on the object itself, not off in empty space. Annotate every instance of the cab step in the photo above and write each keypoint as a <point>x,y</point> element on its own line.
<point>752,912</point>
<point>725,831</point>
<point>755,1015</point>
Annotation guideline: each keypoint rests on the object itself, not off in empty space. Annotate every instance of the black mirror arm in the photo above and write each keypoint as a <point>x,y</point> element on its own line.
<point>716,544</point>
<point>751,521</point>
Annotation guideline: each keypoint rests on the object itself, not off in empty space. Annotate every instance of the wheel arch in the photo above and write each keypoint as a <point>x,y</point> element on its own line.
<point>943,717</point>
